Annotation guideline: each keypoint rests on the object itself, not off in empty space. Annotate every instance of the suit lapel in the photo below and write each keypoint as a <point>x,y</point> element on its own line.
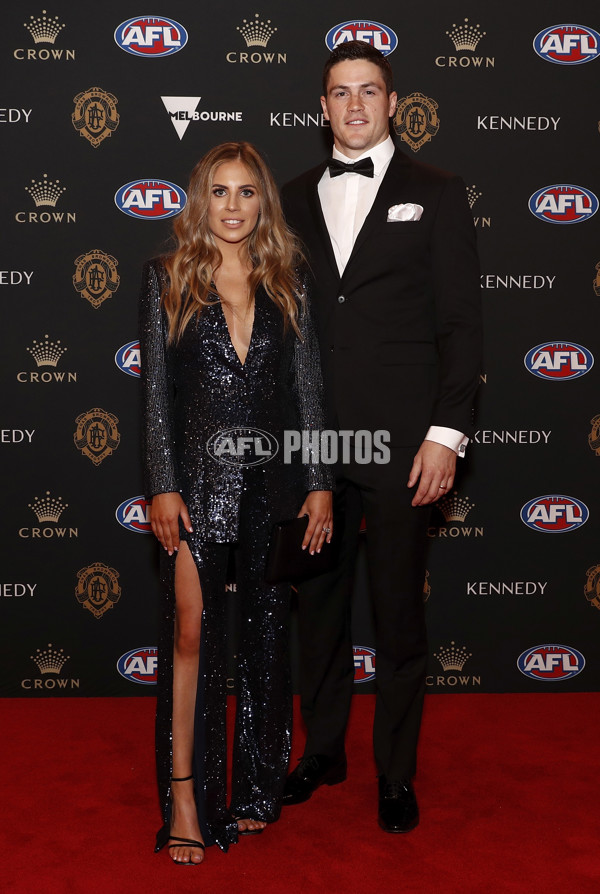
<point>316,210</point>
<point>389,191</point>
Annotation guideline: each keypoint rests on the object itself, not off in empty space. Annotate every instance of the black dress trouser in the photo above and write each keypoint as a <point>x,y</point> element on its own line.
<point>396,557</point>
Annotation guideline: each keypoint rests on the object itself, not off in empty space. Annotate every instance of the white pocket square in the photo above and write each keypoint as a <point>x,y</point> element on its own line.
<point>405,211</point>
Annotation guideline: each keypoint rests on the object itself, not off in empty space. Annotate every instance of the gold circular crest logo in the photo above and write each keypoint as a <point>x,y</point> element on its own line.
<point>426,588</point>
<point>592,586</point>
<point>98,588</point>
<point>96,435</point>
<point>594,435</point>
<point>96,276</point>
<point>416,120</point>
<point>95,115</point>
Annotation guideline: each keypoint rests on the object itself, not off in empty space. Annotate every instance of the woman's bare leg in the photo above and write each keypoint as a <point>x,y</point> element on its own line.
<point>186,654</point>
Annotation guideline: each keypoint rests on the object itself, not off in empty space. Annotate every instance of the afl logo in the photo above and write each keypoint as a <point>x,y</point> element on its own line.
<point>378,35</point>
<point>559,360</point>
<point>139,665</point>
<point>551,663</point>
<point>127,359</point>
<point>364,664</point>
<point>151,36</point>
<point>567,44</point>
<point>134,514</point>
<point>563,203</point>
<point>242,446</point>
<point>150,199</point>
<point>554,514</point>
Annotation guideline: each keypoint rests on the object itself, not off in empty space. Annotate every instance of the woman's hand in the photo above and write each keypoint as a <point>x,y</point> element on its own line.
<point>164,518</point>
<point>318,507</point>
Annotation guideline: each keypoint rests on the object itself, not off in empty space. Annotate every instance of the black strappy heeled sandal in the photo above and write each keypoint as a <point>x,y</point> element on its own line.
<point>163,835</point>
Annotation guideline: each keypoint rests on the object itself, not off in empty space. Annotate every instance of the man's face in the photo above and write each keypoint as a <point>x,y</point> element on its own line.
<point>357,106</point>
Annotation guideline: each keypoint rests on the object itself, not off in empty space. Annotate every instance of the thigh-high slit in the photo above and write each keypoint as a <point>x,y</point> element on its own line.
<point>262,732</point>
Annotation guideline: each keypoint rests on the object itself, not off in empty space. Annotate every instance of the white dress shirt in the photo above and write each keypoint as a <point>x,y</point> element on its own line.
<point>346,200</point>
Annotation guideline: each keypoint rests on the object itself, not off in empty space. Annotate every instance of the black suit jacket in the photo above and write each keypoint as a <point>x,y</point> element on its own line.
<point>400,331</point>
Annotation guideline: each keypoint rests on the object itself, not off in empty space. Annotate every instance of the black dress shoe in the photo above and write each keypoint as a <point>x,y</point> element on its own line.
<point>398,809</point>
<point>311,772</point>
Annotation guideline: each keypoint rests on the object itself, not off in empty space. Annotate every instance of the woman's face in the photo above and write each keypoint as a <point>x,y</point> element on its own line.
<point>234,203</point>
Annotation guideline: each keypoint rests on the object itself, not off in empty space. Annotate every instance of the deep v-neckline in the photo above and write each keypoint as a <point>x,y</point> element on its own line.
<point>245,360</point>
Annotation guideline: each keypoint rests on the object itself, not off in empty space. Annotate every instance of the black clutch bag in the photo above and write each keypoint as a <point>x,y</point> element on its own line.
<point>287,561</point>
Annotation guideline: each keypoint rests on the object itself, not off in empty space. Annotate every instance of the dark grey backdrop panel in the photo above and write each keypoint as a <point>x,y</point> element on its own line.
<point>79,590</point>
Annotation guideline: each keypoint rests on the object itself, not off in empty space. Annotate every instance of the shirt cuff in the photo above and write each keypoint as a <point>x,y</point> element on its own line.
<point>449,437</point>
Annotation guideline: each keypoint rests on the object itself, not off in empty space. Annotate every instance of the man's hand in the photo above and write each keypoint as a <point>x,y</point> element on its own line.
<point>435,465</point>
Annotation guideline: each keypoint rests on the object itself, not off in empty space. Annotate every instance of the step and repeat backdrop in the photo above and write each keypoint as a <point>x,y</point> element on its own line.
<point>104,113</point>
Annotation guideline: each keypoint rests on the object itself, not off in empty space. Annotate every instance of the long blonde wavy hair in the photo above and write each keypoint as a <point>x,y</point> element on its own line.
<point>272,248</point>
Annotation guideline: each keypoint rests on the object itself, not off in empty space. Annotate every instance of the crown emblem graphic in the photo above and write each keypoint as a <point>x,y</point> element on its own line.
<point>48,509</point>
<point>43,29</point>
<point>455,508</point>
<point>465,37</point>
<point>473,195</point>
<point>45,192</point>
<point>46,353</point>
<point>256,33</point>
<point>452,657</point>
<point>50,660</point>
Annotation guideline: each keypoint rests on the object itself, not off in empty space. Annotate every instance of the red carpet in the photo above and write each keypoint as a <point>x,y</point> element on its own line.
<point>508,788</point>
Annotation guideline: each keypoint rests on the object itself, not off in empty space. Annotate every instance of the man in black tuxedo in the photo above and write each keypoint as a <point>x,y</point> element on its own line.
<point>395,291</point>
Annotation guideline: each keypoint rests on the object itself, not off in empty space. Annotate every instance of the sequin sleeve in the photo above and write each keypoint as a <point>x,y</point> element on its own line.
<point>158,391</point>
<point>308,385</point>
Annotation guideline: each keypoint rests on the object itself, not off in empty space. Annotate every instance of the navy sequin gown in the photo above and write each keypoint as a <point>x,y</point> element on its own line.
<point>192,391</point>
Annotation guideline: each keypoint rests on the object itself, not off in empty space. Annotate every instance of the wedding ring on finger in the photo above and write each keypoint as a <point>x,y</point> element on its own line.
<point>326,530</point>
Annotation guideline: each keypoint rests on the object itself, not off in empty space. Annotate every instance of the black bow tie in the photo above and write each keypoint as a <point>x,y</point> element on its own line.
<point>364,166</point>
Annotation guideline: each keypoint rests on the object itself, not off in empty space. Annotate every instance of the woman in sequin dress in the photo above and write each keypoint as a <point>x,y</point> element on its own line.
<point>227,343</point>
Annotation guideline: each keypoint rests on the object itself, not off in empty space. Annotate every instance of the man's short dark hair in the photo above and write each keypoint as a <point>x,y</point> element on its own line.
<point>359,49</point>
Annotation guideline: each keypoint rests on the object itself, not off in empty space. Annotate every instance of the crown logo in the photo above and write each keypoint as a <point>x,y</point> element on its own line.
<point>455,508</point>
<point>46,353</point>
<point>256,33</point>
<point>50,660</point>
<point>452,657</point>
<point>45,192</point>
<point>43,29</point>
<point>473,195</point>
<point>48,509</point>
<point>465,37</point>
